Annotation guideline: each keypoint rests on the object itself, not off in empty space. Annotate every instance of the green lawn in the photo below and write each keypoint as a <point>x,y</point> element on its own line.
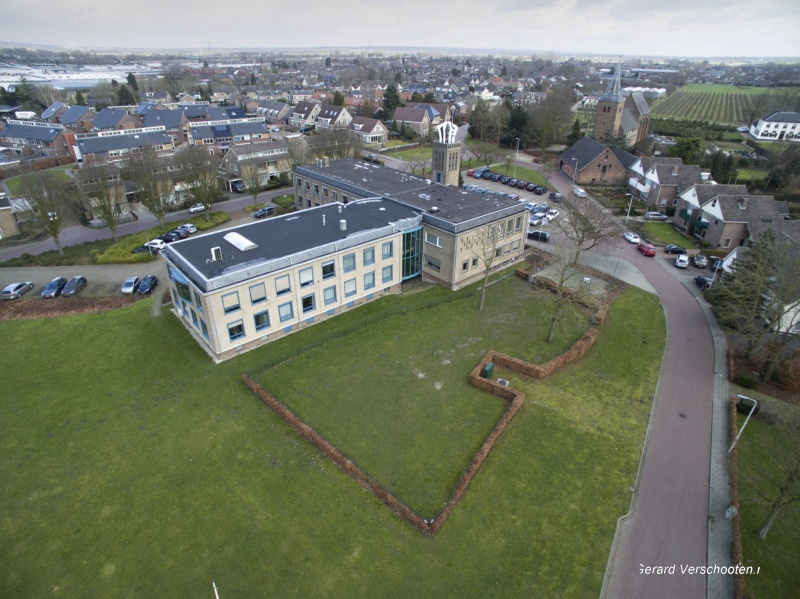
<point>411,154</point>
<point>777,554</point>
<point>14,183</point>
<point>133,466</point>
<point>665,233</point>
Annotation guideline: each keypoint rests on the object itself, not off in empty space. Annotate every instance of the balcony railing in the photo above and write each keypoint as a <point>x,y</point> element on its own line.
<point>699,224</point>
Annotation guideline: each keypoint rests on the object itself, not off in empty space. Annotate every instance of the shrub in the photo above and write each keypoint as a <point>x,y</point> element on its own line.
<point>215,219</point>
<point>284,201</point>
<point>747,380</point>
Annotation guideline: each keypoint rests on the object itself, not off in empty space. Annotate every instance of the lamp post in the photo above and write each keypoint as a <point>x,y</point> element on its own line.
<point>629,208</point>
<point>746,420</point>
<point>614,276</point>
<point>575,172</point>
<point>515,160</point>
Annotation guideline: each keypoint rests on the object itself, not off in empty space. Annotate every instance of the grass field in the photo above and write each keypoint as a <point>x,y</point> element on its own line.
<point>14,183</point>
<point>411,154</point>
<point>777,554</point>
<point>665,233</point>
<point>133,466</point>
<point>714,103</point>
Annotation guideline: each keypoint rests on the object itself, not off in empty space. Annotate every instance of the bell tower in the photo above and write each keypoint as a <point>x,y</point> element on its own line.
<point>446,163</point>
<point>608,118</point>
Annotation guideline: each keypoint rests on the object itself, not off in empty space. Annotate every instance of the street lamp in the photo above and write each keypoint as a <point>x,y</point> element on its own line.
<point>629,208</point>
<point>575,172</point>
<point>746,420</point>
<point>515,160</point>
<point>614,276</point>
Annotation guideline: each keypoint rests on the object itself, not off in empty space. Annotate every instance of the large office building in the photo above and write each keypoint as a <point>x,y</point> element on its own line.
<point>363,229</point>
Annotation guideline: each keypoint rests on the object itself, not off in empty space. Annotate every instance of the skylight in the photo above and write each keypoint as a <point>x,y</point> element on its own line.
<point>240,242</point>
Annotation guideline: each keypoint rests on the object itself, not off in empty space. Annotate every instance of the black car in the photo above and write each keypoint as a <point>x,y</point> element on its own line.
<point>140,250</point>
<point>700,261</point>
<point>494,177</point>
<point>486,175</point>
<point>505,180</point>
<point>54,287</point>
<point>147,284</point>
<point>715,263</point>
<point>238,187</point>
<point>74,285</point>
<point>555,196</point>
<point>703,282</point>
<point>539,235</point>
<point>522,184</point>
<point>675,249</point>
<point>169,237</point>
<point>182,233</point>
<point>530,187</point>
<point>540,190</point>
<point>264,212</point>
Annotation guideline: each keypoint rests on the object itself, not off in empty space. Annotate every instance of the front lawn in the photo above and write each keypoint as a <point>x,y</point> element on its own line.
<point>665,233</point>
<point>14,183</point>
<point>414,154</point>
<point>133,466</point>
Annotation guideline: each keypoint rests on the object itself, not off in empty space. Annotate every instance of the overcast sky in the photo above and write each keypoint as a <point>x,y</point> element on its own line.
<point>630,27</point>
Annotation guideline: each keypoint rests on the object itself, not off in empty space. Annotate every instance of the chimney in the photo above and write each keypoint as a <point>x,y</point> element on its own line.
<point>343,225</point>
<point>674,171</point>
<point>340,208</point>
<point>327,161</point>
<point>743,205</point>
<point>323,220</point>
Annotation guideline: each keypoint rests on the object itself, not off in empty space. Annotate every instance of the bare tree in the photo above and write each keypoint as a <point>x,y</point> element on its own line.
<point>153,182</point>
<point>483,245</point>
<point>251,178</point>
<point>508,160</point>
<point>417,164</point>
<point>100,188</point>
<point>486,153</point>
<point>50,199</point>
<point>550,119</point>
<point>200,172</point>
<point>334,143</point>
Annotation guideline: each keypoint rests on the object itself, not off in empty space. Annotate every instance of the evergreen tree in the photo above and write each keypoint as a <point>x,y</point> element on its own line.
<point>576,133</point>
<point>79,99</point>
<point>398,77</point>
<point>428,98</point>
<point>328,62</point>
<point>125,97</point>
<point>134,85</point>
<point>252,78</point>
<point>391,100</point>
<point>338,99</point>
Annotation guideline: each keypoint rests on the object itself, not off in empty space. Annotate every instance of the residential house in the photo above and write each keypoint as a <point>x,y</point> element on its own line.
<point>77,118</point>
<point>368,131</point>
<point>687,214</point>
<point>588,162</point>
<point>637,183</point>
<point>437,113</point>
<point>112,146</point>
<point>157,97</point>
<point>175,123</point>
<point>460,227</point>
<point>195,111</point>
<point>274,111</point>
<point>777,126</point>
<point>304,115</point>
<point>111,119</point>
<point>331,116</point>
<point>98,183</point>
<point>31,137</point>
<point>663,180</point>
<point>415,118</point>
<point>224,133</point>
<point>271,158</point>
<point>52,112</point>
<point>221,113</point>
<point>8,224</point>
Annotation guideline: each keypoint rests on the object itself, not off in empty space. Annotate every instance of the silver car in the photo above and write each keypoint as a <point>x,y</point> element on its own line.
<point>130,285</point>
<point>15,290</point>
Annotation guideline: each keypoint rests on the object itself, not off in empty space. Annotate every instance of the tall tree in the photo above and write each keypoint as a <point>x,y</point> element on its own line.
<point>153,182</point>
<point>391,100</point>
<point>79,99</point>
<point>134,85</point>
<point>576,133</point>
<point>200,173</point>
<point>549,120</point>
<point>100,187</point>
<point>338,98</point>
<point>125,97</point>
<point>251,178</point>
<point>50,198</point>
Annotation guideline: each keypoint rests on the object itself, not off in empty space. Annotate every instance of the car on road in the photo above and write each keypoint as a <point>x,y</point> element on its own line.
<point>674,249</point>
<point>682,261</point>
<point>581,193</point>
<point>703,282</point>
<point>54,287</point>
<point>539,235</point>
<point>15,290</point>
<point>195,208</point>
<point>646,248</point>
<point>631,237</point>
<point>552,214</point>
<point>130,286</point>
<point>264,212</point>
<point>147,284</point>
<point>655,216</point>
<point>155,245</point>
<point>555,196</point>
<point>700,261</point>
<point>188,227</point>
<point>74,285</point>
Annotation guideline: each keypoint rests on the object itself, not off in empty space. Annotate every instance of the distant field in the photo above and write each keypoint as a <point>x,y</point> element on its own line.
<point>714,103</point>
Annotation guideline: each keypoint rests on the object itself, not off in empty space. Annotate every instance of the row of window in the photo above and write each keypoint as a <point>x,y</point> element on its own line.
<point>305,184</point>
<point>308,304</point>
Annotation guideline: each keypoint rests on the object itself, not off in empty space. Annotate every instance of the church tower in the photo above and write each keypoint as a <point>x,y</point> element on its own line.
<point>446,163</point>
<point>608,118</point>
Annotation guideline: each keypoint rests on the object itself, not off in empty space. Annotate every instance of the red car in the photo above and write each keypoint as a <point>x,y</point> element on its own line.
<point>470,172</point>
<point>646,249</point>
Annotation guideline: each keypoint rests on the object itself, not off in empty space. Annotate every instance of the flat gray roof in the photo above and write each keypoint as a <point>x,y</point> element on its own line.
<point>448,208</point>
<point>287,240</point>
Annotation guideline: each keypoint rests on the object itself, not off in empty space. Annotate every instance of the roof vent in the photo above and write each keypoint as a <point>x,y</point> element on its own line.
<point>323,220</point>
<point>343,225</point>
<point>340,208</point>
<point>434,209</point>
<point>240,242</point>
<point>216,255</point>
<point>743,205</point>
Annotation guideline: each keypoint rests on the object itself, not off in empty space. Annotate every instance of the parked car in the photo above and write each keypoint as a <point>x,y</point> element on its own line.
<point>155,245</point>
<point>675,249</point>
<point>15,290</point>
<point>536,221</point>
<point>130,286</point>
<point>532,206</point>
<point>555,196</point>
<point>266,211</point>
<point>486,175</point>
<point>646,248</point>
<point>540,190</point>
<point>182,233</point>
<point>238,187</point>
<point>742,129</point>
<point>195,208</point>
<point>581,193</point>
<point>655,216</point>
<point>188,227</point>
<point>54,287</point>
<point>513,182</point>
<point>505,180</point>
<point>682,261</point>
<point>631,237</point>
<point>495,177</point>
<point>147,284</point>
<point>539,235</point>
<point>74,285</point>
<point>522,184</point>
<point>552,214</point>
<point>470,172</point>
<point>715,263</point>
<point>700,261</point>
<point>531,187</point>
<point>169,237</point>
<point>703,282</point>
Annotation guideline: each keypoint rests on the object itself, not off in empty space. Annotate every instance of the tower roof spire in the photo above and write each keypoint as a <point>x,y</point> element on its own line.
<point>613,93</point>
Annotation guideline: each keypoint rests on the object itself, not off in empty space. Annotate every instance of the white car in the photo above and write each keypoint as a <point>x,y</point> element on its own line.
<point>581,193</point>
<point>682,261</point>
<point>188,227</point>
<point>15,290</point>
<point>196,208</point>
<point>531,206</point>
<point>631,237</point>
<point>156,245</point>
<point>551,214</point>
<point>535,221</point>
<point>743,130</point>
